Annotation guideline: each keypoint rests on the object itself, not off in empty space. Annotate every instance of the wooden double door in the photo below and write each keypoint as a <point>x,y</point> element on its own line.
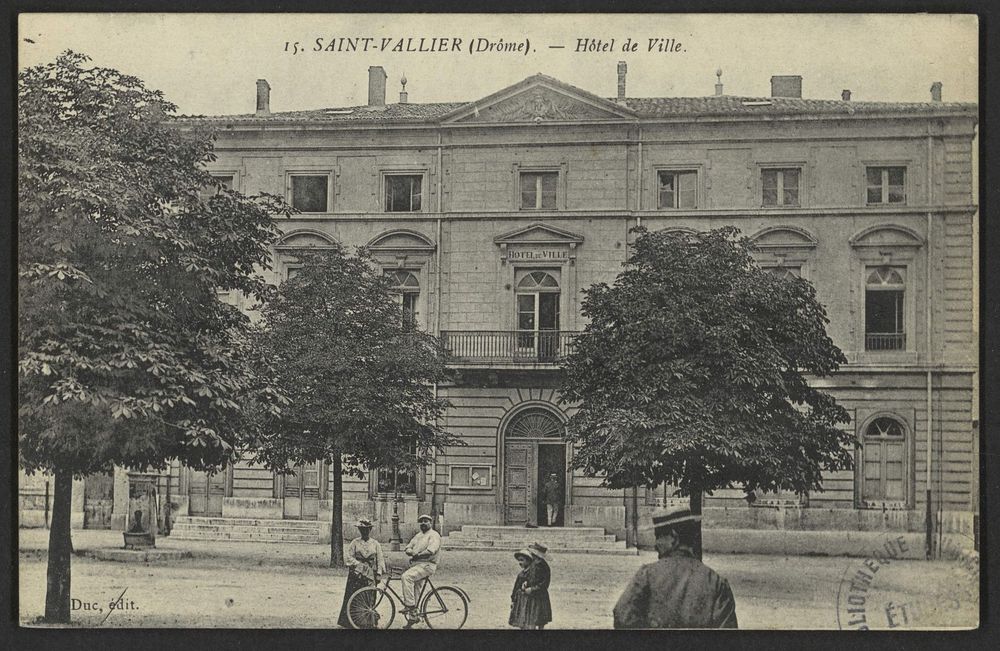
<point>206,491</point>
<point>302,491</point>
<point>527,464</point>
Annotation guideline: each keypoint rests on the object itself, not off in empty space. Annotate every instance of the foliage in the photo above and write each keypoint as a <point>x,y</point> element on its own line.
<point>358,378</point>
<point>126,354</point>
<point>694,372</point>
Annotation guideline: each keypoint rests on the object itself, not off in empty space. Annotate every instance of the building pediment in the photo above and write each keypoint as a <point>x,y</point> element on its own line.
<point>887,236</point>
<point>538,243</point>
<point>783,237</point>
<point>401,248</point>
<point>401,241</point>
<point>305,238</point>
<point>539,99</point>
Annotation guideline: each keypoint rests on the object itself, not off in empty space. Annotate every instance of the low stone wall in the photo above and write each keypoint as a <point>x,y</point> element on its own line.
<point>820,520</point>
<point>612,518</point>
<point>457,514</point>
<point>31,501</point>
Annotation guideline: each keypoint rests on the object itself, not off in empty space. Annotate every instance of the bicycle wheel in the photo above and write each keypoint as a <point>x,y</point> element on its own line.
<point>445,608</point>
<point>371,607</point>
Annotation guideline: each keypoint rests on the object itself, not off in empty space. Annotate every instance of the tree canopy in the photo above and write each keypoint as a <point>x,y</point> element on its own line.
<point>126,356</point>
<point>358,376</point>
<point>694,371</point>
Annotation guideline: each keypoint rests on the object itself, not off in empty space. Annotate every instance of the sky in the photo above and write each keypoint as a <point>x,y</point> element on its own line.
<point>208,64</point>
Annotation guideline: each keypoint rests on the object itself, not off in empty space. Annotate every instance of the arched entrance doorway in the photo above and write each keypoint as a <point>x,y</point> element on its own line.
<point>535,468</point>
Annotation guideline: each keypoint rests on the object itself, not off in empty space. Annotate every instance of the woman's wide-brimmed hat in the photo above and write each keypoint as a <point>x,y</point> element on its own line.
<point>524,553</point>
<point>539,550</point>
<point>364,523</point>
<point>666,519</point>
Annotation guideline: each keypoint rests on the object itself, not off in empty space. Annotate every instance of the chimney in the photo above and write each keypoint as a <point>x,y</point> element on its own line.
<point>403,97</point>
<point>936,91</point>
<point>376,86</point>
<point>263,97</point>
<point>845,95</point>
<point>622,69</point>
<point>786,86</point>
<point>718,81</point>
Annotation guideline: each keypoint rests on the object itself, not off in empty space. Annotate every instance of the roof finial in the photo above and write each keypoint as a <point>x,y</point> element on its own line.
<point>402,94</point>
<point>718,83</point>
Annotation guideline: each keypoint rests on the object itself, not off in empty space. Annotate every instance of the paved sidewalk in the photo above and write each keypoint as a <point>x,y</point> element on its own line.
<point>260,585</point>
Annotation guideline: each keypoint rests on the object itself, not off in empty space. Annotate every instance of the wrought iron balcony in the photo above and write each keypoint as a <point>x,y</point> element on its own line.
<point>507,347</point>
<point>885,341</point>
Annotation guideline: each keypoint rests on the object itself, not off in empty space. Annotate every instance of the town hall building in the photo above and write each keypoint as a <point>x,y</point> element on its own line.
<point>493,215</point>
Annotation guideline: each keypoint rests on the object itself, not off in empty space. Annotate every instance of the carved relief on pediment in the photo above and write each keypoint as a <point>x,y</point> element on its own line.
<point>538,105</point>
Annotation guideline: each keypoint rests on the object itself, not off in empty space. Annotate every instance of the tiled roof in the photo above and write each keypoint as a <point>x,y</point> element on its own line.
<point>391,113</point>
<point>651,107</point>
<point>644,107</point>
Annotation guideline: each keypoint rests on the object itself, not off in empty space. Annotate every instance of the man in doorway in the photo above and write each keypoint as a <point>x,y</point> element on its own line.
<point>677,591</point>
<point>424,551</point>
<point>552,496</point>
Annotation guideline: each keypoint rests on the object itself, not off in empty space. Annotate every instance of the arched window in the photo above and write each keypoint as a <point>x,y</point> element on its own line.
<point>884,463</point>
<point>407,288</point>
<point>884,293</point>
<point>535,424</point>
<point>538,315</point>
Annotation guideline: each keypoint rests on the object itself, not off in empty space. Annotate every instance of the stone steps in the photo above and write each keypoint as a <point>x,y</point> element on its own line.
<point>564,540</point>
<point>246,537</point>
<point>255,522</point>
<point>247,530</point>
<point>241,528</point>
<point>540,533</point>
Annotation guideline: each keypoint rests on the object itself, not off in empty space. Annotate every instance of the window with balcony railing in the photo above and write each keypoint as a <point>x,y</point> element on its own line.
<point>488,347</point>
<point>885,292</point>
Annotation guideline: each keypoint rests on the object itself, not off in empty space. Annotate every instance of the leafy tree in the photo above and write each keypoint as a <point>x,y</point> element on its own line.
<point>126,355</point>
<point>693,371</point>
<point>358,377</point>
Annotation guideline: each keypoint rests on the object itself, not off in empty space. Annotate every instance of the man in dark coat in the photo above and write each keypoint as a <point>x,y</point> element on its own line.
<point>677,591</point>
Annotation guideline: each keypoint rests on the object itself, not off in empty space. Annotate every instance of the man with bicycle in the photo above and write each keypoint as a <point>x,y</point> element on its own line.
<point>424,551</point>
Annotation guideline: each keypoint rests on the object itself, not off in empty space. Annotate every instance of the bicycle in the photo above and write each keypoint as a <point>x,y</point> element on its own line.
<point>374,606</point>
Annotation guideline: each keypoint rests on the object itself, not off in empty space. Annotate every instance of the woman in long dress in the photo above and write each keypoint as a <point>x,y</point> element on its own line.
<point>530,605</point>
<point>365,563</point>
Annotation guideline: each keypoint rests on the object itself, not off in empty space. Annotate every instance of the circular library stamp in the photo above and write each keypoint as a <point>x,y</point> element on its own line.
<point>890,590</point>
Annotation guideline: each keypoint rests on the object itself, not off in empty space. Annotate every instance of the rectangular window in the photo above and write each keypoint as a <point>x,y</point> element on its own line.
<point>402,192</point>
<point>219,181</point>
<point>886,185</point>
<point>538,190</point>
<point>310,192</point>
<point>389,480</point>
<point>471,477</point>
<point>780,187</point>
<point>678,189</point>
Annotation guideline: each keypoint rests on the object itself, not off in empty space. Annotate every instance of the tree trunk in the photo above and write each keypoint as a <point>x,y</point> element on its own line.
<point>337,514</point>
<point>696,510</point>
<point>57,583</point>
<point>634,520</point>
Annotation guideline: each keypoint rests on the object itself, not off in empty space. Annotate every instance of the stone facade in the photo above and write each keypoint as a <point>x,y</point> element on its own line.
<point>546,177</point>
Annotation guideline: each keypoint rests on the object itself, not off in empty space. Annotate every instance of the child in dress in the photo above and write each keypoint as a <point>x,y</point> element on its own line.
<point>530,607</point>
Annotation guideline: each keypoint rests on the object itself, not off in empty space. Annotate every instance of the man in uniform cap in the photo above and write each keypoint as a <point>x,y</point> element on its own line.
<point>677,591</point>
<point>424,551</point>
